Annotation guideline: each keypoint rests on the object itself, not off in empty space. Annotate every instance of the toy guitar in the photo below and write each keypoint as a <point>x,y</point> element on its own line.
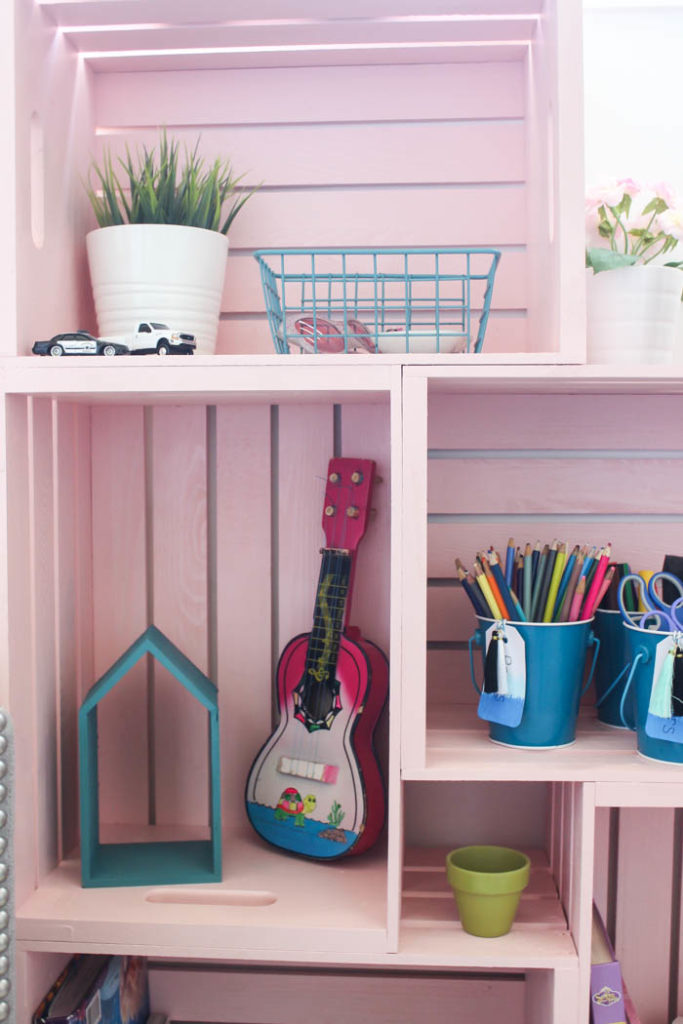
<point>315,787</point>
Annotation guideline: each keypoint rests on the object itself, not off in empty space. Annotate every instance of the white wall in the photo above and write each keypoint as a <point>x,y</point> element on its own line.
<point>633,81</point>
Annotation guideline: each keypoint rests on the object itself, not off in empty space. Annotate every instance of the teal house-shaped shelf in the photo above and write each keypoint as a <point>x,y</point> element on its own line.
<point>147,863</point>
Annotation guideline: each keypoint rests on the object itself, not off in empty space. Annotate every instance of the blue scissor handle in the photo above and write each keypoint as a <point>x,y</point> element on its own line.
<point>655,600</point>
<point>642,594</point>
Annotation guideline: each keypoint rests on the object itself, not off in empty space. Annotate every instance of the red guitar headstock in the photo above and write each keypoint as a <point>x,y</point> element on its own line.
<point>347,501</point>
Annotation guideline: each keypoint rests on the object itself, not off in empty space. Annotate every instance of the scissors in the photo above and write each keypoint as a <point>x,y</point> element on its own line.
<point>658,615</point>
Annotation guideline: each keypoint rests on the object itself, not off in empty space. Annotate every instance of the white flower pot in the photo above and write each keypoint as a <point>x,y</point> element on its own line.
<point>165,272</point>
<point>633,314</point>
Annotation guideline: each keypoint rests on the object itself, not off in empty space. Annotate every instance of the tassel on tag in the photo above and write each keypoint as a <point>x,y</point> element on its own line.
<point>491,664</point>
<point>677,692</point>
<point>660,700</point>
<point>503,683</point>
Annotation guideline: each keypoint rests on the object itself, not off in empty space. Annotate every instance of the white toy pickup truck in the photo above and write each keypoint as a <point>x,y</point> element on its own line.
<point>149,336</point>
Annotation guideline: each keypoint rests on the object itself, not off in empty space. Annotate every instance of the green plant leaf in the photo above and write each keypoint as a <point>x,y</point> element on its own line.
<point>605,259</point>
<point>157,187</point>
<point>656,205</point>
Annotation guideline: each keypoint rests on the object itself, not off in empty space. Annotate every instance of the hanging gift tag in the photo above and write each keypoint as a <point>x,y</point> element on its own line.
<point>504,690</point>
<point>665,710</point>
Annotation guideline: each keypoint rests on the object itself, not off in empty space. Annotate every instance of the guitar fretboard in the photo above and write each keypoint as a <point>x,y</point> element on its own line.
<point>316,698</point>
<point>328,615</point>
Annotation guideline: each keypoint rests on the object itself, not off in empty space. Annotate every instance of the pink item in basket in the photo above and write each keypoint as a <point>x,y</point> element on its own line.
<point>319,335</point>
<point>323,335</point>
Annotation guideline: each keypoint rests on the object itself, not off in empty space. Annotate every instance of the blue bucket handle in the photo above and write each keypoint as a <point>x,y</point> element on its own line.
<point>478,638</point>
<point>592,639</point>
<point>641,653</point>
<point>601,700</point>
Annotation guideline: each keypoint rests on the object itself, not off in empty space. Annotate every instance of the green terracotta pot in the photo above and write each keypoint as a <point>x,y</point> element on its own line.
<point>487,882</point>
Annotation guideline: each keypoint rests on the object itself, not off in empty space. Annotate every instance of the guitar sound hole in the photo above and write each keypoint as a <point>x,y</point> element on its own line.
<point>316,704</point>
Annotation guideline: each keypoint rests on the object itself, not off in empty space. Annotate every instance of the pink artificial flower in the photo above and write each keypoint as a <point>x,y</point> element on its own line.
<point>629,186</point>
<point>671,222</point>
<point>609,193</point>
<point>665,192</point>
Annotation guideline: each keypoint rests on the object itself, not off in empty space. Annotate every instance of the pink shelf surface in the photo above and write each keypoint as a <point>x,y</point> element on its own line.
<point>269,905</point>
<point>431,932</point>
<point>458,748</point>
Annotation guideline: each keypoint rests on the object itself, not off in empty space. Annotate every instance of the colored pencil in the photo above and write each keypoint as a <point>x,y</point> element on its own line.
<point>596,581</point>
<point>564,582</point>
<point>538,580</point>
<point>509,561</point>
<point>470,588</point>
<point>555,583</point>
<point>563,615</point>
<point>493,584</point>
<point>502,583</point>
<point>539,611</point>
<point>535,555</point>
<point>483,583</point>
<point>604,586</point>
<point>577,599</point>
<point>520,611</point>
<point>526,591</point>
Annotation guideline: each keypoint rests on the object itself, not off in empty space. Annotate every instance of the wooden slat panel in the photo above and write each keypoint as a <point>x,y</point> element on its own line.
<point>119,607</point>
<point>365,433</point>
<point>243,292</point>
<point>641,544</point>
<point>68,634</point>
<point>84,550</point>
<point>20,637</point>
<point>601,882</point>
<point>556,421</point>
<point>252,336</point>
<point>42,525</point>
<point>281,997</point>
<point>125,12</point>
<point>438,216</point>
<point>358,154</point>
<point>305,440</point>
<point>540,485</point>
<point>450,615</point>
<point>351,55</point>
<point>243,594</point>
<point>323,95</point>
<point>644,907</point>
<point>261,37</point>
<point>448,677</point>
<point>440,913</point>
<point>180,596</point>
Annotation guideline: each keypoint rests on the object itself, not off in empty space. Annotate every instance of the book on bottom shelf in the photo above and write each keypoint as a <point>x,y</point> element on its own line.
<point>98,990</point>
<point>610,1001</point>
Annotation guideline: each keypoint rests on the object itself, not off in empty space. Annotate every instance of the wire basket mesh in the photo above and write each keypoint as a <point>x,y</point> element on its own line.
<point>378,300</point>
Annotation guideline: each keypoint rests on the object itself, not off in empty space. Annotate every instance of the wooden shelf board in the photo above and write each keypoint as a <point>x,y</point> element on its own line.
<point>296,904</point>
<point>431,931</point>
<point>546,378</point>
<point>219,378</point>
<point>458,748</point>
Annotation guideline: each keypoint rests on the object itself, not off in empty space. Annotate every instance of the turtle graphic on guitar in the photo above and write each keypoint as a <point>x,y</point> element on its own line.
<point>315,787</point>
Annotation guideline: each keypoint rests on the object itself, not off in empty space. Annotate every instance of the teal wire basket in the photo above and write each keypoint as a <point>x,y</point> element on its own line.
<point>378,300</point>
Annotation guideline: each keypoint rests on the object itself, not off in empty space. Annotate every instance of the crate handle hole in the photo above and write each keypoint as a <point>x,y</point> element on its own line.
<point>213,897</point>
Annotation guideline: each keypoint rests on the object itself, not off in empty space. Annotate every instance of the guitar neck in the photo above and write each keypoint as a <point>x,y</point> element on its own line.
<point>332,602</point>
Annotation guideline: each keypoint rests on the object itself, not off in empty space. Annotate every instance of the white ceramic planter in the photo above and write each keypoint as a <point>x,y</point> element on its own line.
<point>633,314</point>
<point>165,272</point>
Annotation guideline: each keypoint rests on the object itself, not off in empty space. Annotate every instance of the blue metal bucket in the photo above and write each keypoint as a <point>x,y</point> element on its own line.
<point>642,647</point>
<point>555,660</point>
<point>611,668</point>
